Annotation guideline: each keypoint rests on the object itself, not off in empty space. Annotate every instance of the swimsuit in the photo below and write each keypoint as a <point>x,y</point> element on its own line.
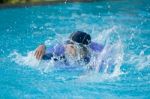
<point>57,52</point>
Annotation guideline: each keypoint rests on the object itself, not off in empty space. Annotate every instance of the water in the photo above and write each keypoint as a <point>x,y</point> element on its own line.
<point>122,24</point>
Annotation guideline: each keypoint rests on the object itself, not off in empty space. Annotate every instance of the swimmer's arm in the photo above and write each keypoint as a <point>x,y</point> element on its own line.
<point>40,51</point>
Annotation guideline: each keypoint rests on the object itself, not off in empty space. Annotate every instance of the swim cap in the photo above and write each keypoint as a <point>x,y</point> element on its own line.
<point>81,37</point>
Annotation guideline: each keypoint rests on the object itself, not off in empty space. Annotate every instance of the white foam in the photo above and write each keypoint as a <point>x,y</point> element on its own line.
<point>30,61</point>
<point>112,54</point>
<point>140,61</point>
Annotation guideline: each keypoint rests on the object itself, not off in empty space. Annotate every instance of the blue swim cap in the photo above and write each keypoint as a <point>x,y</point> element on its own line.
<point>81,37</point>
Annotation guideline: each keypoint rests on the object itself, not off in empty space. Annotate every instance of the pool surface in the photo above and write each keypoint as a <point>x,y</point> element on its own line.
<point>123,24</point>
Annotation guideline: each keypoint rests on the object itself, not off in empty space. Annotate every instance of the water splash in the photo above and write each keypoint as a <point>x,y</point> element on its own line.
<point>110,60</point>
<point>30,61</point>
<point>111,57</point>
<point>140,61</point>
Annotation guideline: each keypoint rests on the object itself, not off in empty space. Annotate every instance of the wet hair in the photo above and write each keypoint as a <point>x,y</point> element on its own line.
<point>80,37</point>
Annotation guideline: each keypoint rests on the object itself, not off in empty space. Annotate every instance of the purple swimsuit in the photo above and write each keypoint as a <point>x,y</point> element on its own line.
<point>59,51</point>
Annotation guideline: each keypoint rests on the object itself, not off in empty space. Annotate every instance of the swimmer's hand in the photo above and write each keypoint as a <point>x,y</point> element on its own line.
<point>40,52</point>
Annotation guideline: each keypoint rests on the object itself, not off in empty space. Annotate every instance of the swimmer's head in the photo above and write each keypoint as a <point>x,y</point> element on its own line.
<point>75,46</point>
<point>80,37</point>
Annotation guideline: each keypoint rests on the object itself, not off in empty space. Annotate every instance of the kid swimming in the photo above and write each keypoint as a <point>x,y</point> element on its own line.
<point>78,48</point>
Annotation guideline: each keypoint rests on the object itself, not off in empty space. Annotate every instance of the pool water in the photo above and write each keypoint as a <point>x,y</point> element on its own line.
<point>122,24</point>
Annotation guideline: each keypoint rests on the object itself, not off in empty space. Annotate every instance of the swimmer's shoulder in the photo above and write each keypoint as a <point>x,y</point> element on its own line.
<point>96,47</point>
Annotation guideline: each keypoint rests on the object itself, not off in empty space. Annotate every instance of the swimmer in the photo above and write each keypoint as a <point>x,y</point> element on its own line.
<point>77,48</point>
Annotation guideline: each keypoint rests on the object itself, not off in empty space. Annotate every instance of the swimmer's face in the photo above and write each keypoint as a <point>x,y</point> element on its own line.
<point>71,50</point>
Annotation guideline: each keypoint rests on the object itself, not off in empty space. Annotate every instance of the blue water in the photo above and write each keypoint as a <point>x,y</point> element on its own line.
<point>123,24</point>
